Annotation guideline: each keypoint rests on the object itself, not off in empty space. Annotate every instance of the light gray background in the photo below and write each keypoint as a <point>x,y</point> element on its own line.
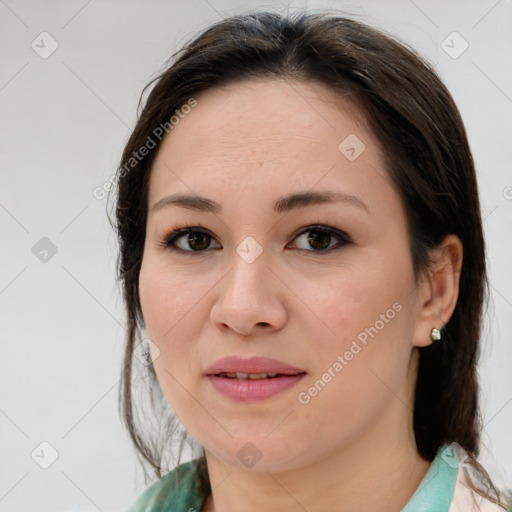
<point>64,120</point>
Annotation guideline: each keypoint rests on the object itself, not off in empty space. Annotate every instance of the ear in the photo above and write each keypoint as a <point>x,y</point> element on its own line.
<point>438,290</point>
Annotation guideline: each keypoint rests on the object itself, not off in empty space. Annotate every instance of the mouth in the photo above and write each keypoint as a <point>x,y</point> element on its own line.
<point>252,376</point>
<point>256,378</point>
<point>256,367</point>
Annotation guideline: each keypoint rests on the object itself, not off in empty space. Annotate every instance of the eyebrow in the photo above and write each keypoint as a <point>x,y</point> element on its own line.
<point>283,204</point>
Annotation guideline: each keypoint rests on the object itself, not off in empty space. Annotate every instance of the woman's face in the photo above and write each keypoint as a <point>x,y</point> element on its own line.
<point>325,288</point>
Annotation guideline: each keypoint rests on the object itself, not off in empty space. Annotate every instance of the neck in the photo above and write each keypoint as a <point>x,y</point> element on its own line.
<point>372,473</point>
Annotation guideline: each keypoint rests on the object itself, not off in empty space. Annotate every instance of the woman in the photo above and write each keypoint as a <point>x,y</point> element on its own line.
<point>314,376</point>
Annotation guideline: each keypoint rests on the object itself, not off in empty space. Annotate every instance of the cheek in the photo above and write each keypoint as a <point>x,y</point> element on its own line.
<point>350,303</point>
<point>168,300</point>
<point>367,342</point>
<point>173,306</point>
<point>163,318</point>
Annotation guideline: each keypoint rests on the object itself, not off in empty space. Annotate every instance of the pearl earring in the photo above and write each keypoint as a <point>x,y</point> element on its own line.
<point>435,334</point>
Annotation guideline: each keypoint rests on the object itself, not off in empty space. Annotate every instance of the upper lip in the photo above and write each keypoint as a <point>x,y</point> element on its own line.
<point>256,364</point>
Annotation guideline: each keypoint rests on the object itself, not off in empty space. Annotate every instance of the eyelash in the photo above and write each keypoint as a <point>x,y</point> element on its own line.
<point>168,241</point>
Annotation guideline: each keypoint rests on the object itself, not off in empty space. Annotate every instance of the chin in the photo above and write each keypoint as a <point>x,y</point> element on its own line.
<point>261,454</point>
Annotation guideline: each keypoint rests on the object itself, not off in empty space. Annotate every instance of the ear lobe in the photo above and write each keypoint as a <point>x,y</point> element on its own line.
<point>438,290</point>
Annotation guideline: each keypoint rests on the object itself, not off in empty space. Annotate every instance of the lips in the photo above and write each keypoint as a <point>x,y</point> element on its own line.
<point>252,376</point>
<point>256,378</point>
<point>251,366</point>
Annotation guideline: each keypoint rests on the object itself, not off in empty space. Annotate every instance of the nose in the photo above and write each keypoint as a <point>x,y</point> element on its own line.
<point>251,299</point>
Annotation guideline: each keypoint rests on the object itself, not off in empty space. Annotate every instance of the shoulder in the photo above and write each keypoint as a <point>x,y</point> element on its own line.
<point>178,489</point>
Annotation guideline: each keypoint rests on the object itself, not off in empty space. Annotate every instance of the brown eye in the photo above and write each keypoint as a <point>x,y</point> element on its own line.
<point>198,240</point>
<point>320,238</point>
<point>192,241</point>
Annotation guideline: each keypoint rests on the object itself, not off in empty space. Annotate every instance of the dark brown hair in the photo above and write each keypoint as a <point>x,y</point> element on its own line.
<point>427,156</point>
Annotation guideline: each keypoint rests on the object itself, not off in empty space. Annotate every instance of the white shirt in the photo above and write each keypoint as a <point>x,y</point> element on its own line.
<point>466,499</point>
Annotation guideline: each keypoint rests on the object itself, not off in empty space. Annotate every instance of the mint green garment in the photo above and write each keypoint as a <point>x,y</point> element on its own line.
<point>436,490</point>
<point>180,490</point>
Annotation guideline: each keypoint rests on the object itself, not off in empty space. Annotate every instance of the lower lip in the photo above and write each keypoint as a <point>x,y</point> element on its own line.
<point>253,389</point>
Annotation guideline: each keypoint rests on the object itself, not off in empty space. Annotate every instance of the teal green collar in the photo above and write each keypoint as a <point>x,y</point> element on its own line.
<point>436,490</point>
<point>183,489</point>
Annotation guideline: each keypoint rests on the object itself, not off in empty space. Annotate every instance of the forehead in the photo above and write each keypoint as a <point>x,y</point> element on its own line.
<point>264,134</point>
<point>261,111</point>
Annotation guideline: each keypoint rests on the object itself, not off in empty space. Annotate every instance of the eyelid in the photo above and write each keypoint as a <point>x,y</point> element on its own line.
<point>175,233</point>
